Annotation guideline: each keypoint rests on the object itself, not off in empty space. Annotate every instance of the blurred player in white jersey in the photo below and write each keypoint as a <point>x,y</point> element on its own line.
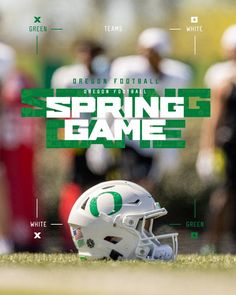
<point>154,45</point>
<point>224,71</point>
<point>146,166</point>
<point>219,134</point>
<point>91,64</point>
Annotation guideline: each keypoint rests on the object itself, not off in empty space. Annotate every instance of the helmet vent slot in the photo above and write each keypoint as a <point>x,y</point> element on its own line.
<point>84,204</point>
<point>106,187</point>
<point>112,239</point>
<point>114,255</point>
<point>134,202</point>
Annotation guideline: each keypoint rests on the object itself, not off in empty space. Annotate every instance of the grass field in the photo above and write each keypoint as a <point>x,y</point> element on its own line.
<point>62,274</point>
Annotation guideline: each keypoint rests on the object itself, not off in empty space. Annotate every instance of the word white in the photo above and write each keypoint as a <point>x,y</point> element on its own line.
<point>194,28</point>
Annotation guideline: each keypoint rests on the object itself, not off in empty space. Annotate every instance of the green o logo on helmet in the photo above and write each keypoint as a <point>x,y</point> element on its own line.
<point>117,203</point>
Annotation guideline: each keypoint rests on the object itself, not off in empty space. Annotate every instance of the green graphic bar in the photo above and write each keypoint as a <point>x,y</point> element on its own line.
<point>56,29</point>
<point>194,209</point>
<point>175,224</point>
<point>37,44</point>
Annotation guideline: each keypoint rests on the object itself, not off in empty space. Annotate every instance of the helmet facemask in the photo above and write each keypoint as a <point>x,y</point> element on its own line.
<point>149,246</point>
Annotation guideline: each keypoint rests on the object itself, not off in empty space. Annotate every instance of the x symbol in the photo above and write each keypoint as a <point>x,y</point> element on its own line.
<point>37,19</point>
<point>37,235</point>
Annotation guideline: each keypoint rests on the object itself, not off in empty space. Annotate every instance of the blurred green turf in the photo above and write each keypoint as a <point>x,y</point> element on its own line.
<point>196,262</point>
<point>30,292</point>
<point>61,274</point>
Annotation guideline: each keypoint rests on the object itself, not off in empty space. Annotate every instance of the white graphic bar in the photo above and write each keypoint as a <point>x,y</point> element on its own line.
<point>37,208</point>
<point>175,29</point>
<point>195,45</point>
<point>56,223</point>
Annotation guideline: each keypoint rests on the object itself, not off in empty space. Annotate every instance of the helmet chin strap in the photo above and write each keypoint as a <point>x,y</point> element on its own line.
<point>156,250</point>
<point>163,252</point>
<point>153,251</point>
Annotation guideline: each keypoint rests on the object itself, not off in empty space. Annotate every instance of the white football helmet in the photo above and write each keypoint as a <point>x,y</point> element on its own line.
<point>114,219</point>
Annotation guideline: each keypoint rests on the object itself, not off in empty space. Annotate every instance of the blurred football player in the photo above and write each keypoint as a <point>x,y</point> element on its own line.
<point>219,132</point>
<point>90,63</point>
<point>17,149</point>
<point>7,62</point>
<point>18,142</point>
<point>146,166</point>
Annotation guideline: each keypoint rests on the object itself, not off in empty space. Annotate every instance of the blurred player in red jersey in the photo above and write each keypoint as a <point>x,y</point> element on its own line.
<point>5,241</point>
<point>7,62</point>
<point>17,151</point>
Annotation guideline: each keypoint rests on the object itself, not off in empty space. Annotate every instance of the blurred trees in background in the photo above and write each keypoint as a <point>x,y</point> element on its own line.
<point>86,18</point>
